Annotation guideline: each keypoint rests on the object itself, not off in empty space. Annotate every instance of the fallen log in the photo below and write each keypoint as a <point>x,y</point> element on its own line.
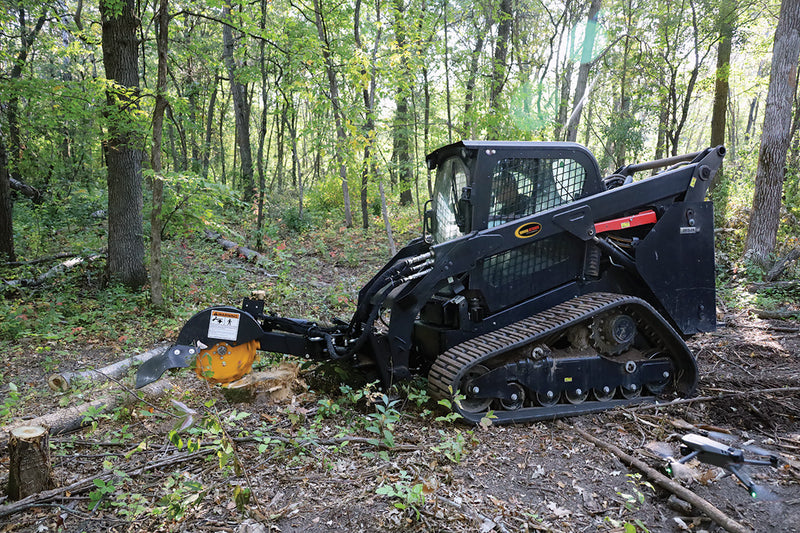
<point>56,270</point>
<point>62,255</point>
<point>776,314</point>
<point>62,381</point>
<point>790,285</point>
<point>247,253</point>
<point>664,482</point>
<point>75,417</point>
<point>781,265</point>
<point>31,192</point>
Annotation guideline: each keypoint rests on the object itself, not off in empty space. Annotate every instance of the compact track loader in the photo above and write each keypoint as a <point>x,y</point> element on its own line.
<point>539,289</point>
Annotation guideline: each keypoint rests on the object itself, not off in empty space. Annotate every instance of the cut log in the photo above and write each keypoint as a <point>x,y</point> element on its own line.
<point>62,381</point>
<point>73,418</point>
<point>30,471</point>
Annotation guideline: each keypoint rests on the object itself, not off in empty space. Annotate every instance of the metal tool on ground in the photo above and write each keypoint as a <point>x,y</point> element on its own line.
<point>539,289</point>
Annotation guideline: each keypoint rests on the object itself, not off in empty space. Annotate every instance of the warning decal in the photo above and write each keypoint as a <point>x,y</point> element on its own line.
<point>223,325</point>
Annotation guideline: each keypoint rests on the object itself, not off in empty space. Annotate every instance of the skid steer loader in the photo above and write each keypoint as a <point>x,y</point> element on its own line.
<point>539,288</point>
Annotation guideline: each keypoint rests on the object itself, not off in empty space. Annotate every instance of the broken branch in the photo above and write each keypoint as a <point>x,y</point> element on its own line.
<point>664,482</point>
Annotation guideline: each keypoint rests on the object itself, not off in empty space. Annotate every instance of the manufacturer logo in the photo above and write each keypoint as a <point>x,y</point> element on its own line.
<point>529,229</point>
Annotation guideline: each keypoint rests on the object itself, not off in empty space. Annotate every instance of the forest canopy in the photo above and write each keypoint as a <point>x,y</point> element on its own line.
<point>314,106</point>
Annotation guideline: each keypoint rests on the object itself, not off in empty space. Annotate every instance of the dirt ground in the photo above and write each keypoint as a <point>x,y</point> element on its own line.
<point>318,473</point>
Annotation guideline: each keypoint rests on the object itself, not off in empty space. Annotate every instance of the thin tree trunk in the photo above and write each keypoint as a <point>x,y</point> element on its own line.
<point>241,109</point>
<point>156,222</point>
<point>583,70</point>
<point>6,207</point>
<point>123,150</point>
<point>775,136</point>
<point>499,61</point>
<point>338,114</point>
<point>209,128</point>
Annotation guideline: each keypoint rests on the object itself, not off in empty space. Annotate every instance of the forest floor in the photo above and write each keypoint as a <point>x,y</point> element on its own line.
<point>310,460</point>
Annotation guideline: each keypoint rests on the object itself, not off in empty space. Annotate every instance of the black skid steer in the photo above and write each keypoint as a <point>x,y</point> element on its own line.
<point>539,289</point>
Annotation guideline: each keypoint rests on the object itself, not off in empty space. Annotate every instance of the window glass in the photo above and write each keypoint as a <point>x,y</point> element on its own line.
<point>451,177</point>
<point>522,187</point>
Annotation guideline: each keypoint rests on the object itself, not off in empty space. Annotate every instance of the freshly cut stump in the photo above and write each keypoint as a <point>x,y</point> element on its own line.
<point>30,470</point>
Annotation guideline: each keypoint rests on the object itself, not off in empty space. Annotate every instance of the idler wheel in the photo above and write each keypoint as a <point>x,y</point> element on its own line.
<point>517,397</point>
<point>471,404</point>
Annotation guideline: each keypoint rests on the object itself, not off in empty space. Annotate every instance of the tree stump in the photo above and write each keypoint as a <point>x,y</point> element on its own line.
<point>30,471</point>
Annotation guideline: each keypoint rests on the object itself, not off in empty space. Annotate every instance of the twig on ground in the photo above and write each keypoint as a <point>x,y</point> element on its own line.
<point>664,482</point>
<point>467,510</point>
<point>700,399</point>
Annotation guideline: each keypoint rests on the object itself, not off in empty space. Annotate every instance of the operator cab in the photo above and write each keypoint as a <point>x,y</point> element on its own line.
<point>484,184</point>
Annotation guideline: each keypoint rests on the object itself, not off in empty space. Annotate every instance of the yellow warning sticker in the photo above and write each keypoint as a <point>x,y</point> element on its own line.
<point>223,325</point>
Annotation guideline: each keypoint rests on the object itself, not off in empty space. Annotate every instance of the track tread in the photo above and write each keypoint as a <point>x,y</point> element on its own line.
<point>448,369</point>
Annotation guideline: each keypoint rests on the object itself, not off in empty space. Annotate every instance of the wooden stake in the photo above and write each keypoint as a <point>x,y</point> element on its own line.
<point>30,471</point>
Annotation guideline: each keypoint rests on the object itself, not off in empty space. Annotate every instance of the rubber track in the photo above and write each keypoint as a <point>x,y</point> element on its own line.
<point>448,369</point>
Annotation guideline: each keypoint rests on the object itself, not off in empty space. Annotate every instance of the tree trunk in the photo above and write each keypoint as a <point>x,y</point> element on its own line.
<point>209,128</point>
<point>122,150</point>
<point>499,66</point>
<point>368,95</point>
<point>775,136</point>
<point>6,208</point>
<point>29,468</point>
<point>721,87</point>
<point>26,41</point>
<point>241,108</point>
<point>338,114</point>
<point>156,222</point>
<point>583,70</point>
<point>469,88</point>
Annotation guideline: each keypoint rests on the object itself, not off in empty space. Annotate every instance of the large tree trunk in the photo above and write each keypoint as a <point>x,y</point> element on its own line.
<point>775,135</point>
<point>123,149</point>
<point>241,108</point>
<point>583,71</point>
<point>727,14</point>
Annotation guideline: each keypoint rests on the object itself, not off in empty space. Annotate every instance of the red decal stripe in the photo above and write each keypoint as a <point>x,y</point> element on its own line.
<point>639,219</point>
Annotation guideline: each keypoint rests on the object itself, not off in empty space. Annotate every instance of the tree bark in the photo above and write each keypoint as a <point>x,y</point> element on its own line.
<point>123,148</point>
<point>583,70</point>
<point>499,61</point>
<point>338,114</point>
<point>6,207</point>
<point>212,102</point>
<point>241,108</point>
<point>727,14</point>
<point>29,467</point>
<point>156,221</point>
<point>775,136</point>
